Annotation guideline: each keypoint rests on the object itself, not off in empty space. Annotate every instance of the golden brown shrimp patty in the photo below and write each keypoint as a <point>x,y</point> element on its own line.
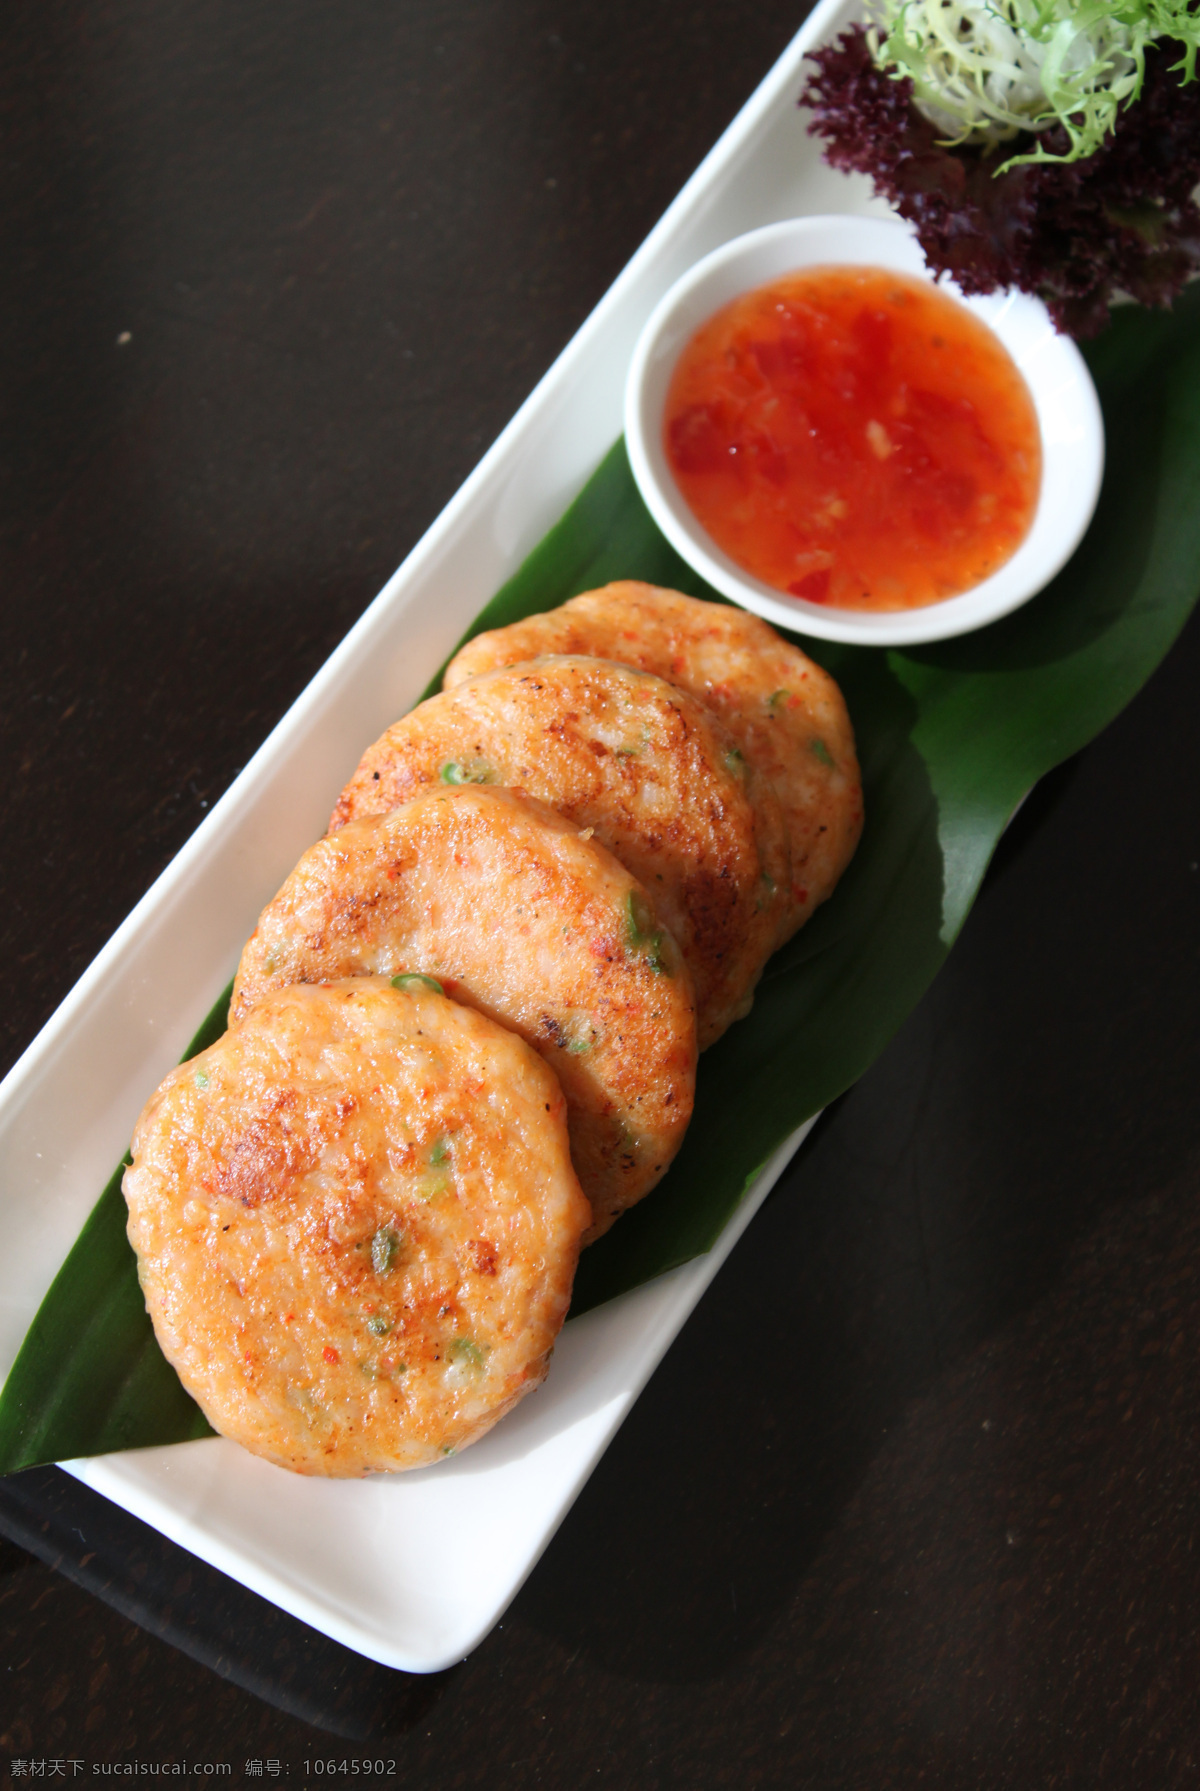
<point>646,767</point>
<point>784,712</point>
<point>498,898</point>
<point>357,1225</point>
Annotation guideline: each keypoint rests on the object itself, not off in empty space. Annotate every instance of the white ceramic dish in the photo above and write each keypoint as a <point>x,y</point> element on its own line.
<point>411,1571</point>
<point>1064,397</point>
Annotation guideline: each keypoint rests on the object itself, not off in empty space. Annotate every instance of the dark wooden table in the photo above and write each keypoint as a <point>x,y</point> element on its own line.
<point>913,1498</point>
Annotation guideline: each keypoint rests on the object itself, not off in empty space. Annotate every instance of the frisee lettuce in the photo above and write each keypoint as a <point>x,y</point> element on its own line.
<point>985,71</point>
<point>1120,221</point>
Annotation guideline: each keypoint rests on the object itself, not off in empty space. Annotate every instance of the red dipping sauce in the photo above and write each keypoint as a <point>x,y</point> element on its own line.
<point>855,437</point>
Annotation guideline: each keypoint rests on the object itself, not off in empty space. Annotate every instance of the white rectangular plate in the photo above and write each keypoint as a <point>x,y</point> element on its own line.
<point>413,1570</point>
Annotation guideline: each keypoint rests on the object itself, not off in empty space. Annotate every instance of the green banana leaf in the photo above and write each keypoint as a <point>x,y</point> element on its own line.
<point>951,737</point>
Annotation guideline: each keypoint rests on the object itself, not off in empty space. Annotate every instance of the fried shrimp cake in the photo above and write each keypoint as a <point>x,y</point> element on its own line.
<point>784,712</point>
<point>357,1225</point>
<point>640,763</point>
<point>498,898</point>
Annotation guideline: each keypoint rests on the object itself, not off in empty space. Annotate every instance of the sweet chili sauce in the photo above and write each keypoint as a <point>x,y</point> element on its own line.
<point>855,437</point>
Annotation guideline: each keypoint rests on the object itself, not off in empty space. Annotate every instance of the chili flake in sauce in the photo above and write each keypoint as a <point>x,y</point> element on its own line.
<point>855,437</point>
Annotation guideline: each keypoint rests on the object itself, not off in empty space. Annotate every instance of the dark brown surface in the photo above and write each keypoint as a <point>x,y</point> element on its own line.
<point>912,1500</point>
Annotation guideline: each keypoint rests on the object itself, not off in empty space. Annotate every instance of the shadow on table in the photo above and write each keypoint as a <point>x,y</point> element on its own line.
<point>918,1221</point>
<point>226,1628</point>
<point>1048,1075</point>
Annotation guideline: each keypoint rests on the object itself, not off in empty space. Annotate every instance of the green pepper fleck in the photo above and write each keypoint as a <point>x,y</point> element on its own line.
<point>640,931</point>
<point>474,773</point>
<point>385,1248</point>
<point>441,1151</point>
<point>201,1078</point>
<point>820,751</point>
<point>776,697</point>
<point>432,1183</point>
<point>408,977</point>
<point>634,750</point>
<point>378,1325</point>
<point>577,1047</point>
<point>466,1351</point>
<point>735,761</point>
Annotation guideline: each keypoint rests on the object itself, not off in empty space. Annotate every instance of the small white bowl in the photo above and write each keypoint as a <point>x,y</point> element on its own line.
<point>1068,414</point>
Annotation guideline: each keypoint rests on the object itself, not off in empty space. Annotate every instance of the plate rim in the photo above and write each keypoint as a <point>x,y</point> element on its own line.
<point>304,732</point>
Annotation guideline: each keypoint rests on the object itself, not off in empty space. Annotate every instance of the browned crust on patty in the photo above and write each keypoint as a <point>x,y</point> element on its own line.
<point>497,897</point>
<point>357,1225</point>
<point>786,714</point>
<point>641,763</point>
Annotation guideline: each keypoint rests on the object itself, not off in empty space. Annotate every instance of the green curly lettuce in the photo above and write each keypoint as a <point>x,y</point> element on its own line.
<point>986,70</point>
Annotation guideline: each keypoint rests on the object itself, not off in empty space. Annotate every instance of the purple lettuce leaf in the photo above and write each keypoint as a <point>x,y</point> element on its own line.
<point>1074,233</point>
